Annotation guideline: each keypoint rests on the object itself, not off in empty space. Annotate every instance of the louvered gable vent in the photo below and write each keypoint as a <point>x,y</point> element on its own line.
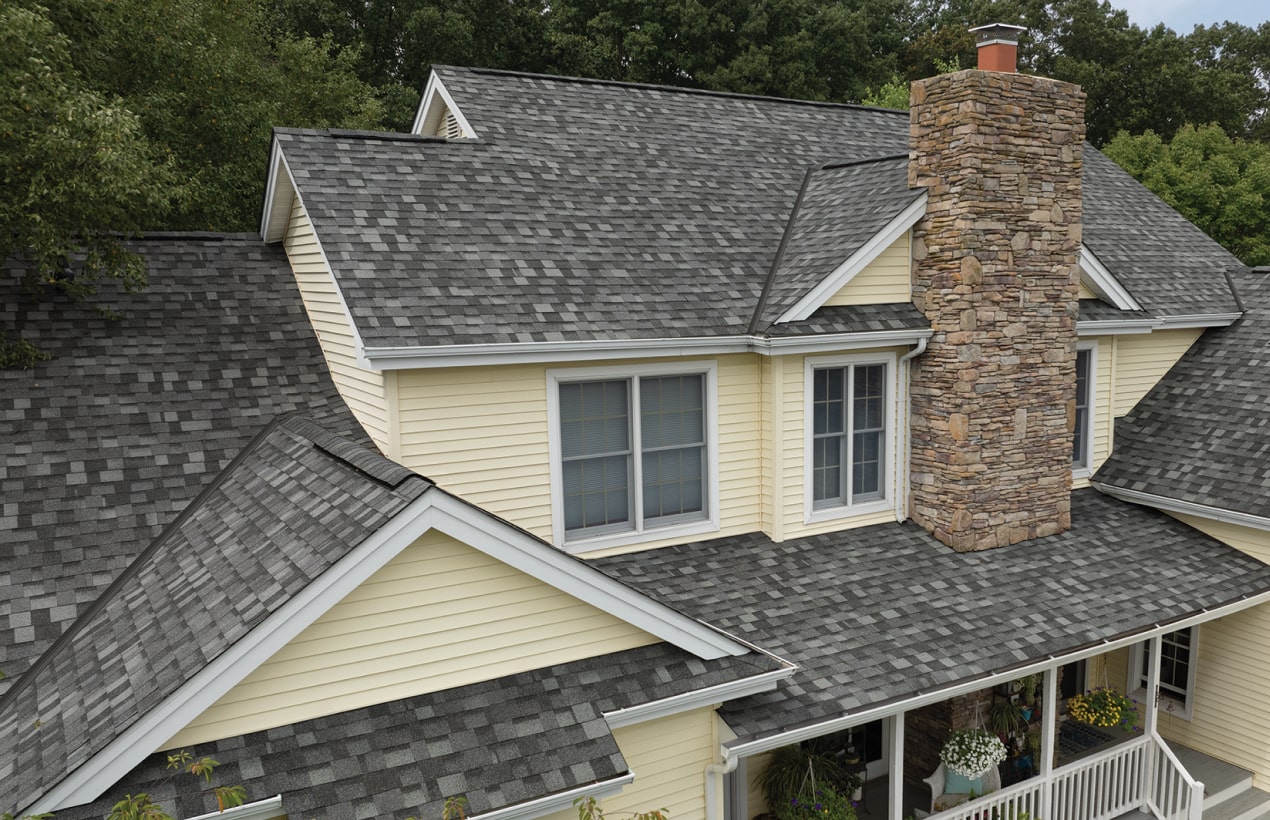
<point>449,126</point>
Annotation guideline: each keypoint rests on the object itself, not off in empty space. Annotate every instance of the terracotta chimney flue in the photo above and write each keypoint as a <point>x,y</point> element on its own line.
<point>998,47</point>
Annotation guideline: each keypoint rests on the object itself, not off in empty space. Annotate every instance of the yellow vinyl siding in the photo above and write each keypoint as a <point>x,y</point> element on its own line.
<point>363,390</point>
<point>1142,360</point>
<point>1085,292</point>
<point>793,450</point>
<point>885,280</point>
<point>439,615</point>
<point>1245,539</point>
<point>482,433</point>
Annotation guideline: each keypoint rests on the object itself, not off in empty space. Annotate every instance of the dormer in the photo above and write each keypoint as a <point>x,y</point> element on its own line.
<point>439,116</point>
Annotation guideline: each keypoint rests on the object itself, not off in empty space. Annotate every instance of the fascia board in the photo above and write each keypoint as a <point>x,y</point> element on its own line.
<point>1193,320</point>
<point>533,556</point>
<point>273,228</point>
<point>435,90</point>
<point>666,707</point>
<point>766,744</point>
<point>1103,283</point>
<point>557,802</point>
<point>476,355</point>
<point>1116,327</point>
<point>1177,505</point>
<point>845,272</point>
<point>93,777</point>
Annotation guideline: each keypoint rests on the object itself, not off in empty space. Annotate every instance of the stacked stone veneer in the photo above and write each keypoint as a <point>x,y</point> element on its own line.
<point>995,271</point>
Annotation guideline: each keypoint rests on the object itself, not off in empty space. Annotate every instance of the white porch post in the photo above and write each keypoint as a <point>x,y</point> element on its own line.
<point>1149,717</point>
<point>895,781</point>
<point>1049,726</point>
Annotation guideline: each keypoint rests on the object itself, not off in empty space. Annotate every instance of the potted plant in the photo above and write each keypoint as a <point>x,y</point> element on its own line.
<point>797,775</point>
<point>1027,693</point>
<point>1004,718</point>
<point>969,754</point>
<point>1105,708</point>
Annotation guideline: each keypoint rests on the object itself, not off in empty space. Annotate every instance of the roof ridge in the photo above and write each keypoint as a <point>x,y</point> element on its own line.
<point>673,88</point>
<point>362,134</point>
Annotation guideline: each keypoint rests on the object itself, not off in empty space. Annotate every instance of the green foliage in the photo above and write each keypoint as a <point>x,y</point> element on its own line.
<point>455,808</point>
<point>76,169</point>
<point>796,772</point>
<point>589,809</point>
<point>823,803</point>
<point>891,94</point>
<point>1220,184</point>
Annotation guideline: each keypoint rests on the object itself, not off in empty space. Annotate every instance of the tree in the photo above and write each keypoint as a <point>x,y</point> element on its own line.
<point>77,171</point>
<point>1220,184</point>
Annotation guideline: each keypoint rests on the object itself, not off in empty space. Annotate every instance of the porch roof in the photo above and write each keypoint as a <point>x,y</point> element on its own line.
<point>882,614</point>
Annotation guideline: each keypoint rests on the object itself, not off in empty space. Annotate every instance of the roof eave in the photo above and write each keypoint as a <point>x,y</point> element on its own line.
<point>1177,505</point>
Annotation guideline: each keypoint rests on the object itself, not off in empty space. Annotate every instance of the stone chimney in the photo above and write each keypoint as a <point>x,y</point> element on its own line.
<point>995,271</point>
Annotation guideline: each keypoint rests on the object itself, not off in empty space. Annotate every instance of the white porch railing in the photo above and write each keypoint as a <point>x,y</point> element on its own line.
<point>1140,774</point>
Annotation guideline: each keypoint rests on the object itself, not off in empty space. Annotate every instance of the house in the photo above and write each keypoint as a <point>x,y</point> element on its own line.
<point>601,439</point>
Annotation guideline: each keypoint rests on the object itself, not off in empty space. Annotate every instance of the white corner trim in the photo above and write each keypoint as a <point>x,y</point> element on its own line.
<point>1101,281</point>
<point>688,701</point>
<point>1199,320</point>
<point>590,350</point>
<point>91,778</point>
<point>845,272</point>
<point>265,809</point>
<point>429,116</point>
<point>1161,502</point>
<point>846,721</point>
<point>529,554</point>
<point>556,802</point>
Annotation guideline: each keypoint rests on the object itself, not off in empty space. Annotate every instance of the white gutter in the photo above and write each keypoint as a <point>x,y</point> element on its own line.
<point>265,809</point>
<point>1255,522</point>
<point>1115,327</point>
<point>846,721</point>
<point>698,698</point>
<point>1200,320</point>
<point>402,358</point>
<point>557,802</point>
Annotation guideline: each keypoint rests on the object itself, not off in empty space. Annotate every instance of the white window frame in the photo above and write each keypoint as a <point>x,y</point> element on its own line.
<point>811,513</point>
<point>1085,470</point>
<point>1167,703</point>
<point>638,533</point>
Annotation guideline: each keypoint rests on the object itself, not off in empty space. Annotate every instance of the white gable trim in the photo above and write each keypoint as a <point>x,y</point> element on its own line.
<point>1101,282</point>
<point>432,107</point>
<point>277,196</point>
<point>434,509</point>
<point>857,262</point>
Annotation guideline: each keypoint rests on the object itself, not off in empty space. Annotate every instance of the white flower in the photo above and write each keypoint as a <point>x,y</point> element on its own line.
<point>972,752</point>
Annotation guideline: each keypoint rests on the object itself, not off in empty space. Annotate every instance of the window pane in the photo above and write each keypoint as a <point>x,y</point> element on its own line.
<point>866,467</point>
<point>673,482</point>
<point>672,411</point>
<point>867,397</point>
<point>596,492</point>
<point>829,405</point>
<point>827,469</point>
<point>1080,436</point>
<point>594,418</point>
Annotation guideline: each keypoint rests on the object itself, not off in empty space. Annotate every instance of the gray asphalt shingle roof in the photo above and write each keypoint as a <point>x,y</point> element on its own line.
<point>596,210</point>
<point>101,447</point>
<point>289,506</point>
<point>498,742</point>
<point>882,613</point>
<point>1211,409</point>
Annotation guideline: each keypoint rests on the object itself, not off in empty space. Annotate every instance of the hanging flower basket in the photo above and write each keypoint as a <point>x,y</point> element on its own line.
<point>972,752</point>
<point>1104,707</point>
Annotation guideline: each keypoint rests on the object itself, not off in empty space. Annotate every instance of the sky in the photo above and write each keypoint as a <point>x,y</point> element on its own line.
<point>1183,15</point>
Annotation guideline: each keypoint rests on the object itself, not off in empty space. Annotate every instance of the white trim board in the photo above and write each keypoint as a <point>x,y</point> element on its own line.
<point>858,261</point>
<point>1098,279</point>
<point>429,115</point>
<point>557,802</point>
<point>434,509</point>
<point>1176,505</point>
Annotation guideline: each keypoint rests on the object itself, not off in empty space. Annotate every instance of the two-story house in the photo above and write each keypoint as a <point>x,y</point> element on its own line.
<point>676,428</point>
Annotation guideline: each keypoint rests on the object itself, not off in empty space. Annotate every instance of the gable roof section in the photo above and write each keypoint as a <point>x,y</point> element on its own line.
<point>884,614</point>
<point>299,519</point>
<point>593,212</point>
<point>848,214</point>
<point>434,105</point>
<point>102,446</point>
<point>1211,409</point>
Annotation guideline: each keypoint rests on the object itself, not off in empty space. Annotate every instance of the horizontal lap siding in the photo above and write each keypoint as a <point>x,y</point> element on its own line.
<point>362,389</point>
<point>481,433</point>
<point>1142,360</point>
<point>885,280</point>
<point>669,758</point>
<point>439,615</point>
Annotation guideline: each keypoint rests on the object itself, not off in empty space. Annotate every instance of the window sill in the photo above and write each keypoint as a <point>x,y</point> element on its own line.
<point>1167,705</point>
<point>624,539</point>
<point>816,516</point>
<point>1079,473</point>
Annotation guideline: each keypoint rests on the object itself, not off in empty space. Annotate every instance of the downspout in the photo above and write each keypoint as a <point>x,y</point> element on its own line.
<point>714,779</point>
<point>905,410</point>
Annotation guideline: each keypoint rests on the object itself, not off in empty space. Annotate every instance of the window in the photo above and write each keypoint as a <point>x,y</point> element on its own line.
<point>1177,670</point>
<point>850,419</point>
<point>631,452</point>
<point>1082,436</point>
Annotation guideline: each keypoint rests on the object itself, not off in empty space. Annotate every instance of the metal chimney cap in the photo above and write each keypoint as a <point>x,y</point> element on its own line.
<point>997,33</point>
